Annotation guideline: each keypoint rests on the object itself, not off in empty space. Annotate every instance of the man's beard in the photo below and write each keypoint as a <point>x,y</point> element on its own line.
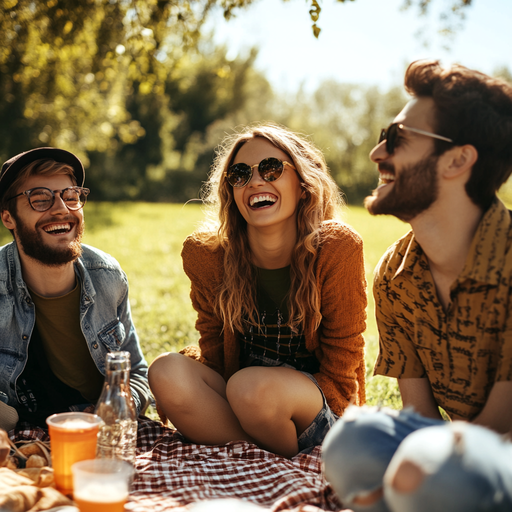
<point>414,190</point>
<point>31,241</point>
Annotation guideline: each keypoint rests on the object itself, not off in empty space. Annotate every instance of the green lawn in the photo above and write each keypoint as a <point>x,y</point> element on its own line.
<point>146,239</point>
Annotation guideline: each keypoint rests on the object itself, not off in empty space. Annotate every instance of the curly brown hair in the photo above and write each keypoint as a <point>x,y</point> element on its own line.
<point>225,227</point>
<point>471,108</point>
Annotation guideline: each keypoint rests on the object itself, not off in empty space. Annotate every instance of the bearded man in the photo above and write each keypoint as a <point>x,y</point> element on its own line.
<point>443,301</point>
<point>63,305</point>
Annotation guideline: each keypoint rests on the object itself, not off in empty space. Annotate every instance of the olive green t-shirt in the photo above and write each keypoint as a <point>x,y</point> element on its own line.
<point>58,324</point>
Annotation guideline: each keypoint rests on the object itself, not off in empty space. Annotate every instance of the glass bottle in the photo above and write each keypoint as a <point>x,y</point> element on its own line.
<point>117,438</point>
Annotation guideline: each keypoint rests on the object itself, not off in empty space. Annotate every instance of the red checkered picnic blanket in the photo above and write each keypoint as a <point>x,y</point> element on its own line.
<point>174,475</point>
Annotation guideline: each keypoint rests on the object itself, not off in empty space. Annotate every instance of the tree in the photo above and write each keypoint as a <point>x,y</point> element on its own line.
<point>173,158</point>
<point>68,66</point>
<point>135,89</point>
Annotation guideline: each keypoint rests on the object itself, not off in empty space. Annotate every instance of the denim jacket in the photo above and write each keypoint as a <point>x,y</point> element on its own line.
<point>105,319</point>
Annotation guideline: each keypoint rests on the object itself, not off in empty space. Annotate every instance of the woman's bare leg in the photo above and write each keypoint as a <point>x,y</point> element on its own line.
<point>274,405</point>
<point>193,397</point>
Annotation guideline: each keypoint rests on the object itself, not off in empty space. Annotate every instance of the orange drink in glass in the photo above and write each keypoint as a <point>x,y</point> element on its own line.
<point>101,485</point>
<point>73,437</point>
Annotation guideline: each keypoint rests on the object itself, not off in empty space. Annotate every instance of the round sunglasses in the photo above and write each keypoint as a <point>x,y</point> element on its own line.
<point>390,135</point>
<point>270,169</point>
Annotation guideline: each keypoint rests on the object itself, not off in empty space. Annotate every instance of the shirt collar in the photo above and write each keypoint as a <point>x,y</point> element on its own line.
<point>486,256</point>
<point>413,254</point>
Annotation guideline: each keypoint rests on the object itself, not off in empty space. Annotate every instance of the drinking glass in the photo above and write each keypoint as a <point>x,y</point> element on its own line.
<point>73,437</point>
<point>101,485</point>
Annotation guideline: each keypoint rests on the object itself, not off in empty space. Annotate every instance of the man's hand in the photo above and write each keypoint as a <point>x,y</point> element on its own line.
<point>5,447</point>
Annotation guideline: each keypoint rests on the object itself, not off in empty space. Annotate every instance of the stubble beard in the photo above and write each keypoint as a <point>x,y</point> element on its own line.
<point>33,245</point>
<point>414,190</point>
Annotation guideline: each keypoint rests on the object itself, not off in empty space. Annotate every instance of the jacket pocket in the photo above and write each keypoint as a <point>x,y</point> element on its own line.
<point>112,335</point>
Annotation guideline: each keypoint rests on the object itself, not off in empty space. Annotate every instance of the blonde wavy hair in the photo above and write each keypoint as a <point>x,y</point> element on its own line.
<point>226,228</point>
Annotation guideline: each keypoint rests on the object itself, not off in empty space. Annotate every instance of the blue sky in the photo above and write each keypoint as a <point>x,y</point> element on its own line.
<point>365,41</point>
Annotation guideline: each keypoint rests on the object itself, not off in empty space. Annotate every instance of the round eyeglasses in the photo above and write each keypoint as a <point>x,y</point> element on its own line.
<point>42,198</point>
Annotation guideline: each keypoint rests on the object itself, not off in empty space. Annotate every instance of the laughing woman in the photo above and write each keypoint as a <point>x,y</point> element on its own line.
<point>278,284</point>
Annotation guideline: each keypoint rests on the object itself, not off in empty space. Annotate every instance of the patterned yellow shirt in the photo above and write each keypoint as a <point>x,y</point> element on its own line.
<point>464,350</point>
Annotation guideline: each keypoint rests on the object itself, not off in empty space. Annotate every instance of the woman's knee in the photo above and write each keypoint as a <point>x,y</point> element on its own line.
<point>248,391</point>
<point>168,374</point>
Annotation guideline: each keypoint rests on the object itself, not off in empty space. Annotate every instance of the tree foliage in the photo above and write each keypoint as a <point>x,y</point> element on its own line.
<point>135,89</point>
<point>67,67</point>
<point>172,159</point>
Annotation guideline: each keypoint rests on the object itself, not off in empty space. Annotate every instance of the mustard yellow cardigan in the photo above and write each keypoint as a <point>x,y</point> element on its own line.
<point>338,343</point>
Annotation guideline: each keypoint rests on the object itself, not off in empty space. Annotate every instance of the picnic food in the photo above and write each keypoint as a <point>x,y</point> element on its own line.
<point>36,461</point>
<point>29,454</point>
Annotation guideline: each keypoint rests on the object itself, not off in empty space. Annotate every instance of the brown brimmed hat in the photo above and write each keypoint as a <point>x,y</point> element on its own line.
<point>14,165</point>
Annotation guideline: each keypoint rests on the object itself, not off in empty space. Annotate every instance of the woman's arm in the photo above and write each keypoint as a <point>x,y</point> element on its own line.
<point>205,269</point>
<point>342,285</point>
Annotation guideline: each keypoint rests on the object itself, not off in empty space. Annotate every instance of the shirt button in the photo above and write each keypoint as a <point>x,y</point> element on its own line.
<point>94,345</point>
<point>25,337</point>
<point>29,300</point>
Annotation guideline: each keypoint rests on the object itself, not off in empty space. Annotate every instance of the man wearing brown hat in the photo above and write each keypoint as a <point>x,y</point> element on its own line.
<point>63,304</point>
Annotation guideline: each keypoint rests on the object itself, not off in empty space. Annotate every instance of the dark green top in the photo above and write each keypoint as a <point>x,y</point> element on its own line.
<point>271,342</point>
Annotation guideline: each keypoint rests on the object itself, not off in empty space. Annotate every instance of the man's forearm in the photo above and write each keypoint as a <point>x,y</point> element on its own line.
<point>417,393</point>
<point>497,412</point>
<point>140,392</point>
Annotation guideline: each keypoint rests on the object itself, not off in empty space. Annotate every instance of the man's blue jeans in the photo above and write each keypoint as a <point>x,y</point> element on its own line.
<point>467,467</point>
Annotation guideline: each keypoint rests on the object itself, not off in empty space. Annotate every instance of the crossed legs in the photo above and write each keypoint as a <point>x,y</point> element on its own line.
<point>269,406</point>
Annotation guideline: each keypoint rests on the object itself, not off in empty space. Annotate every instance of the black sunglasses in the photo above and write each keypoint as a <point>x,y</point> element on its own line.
<point>270,169</point>
<point>42,198</point>
<point>390,135</point>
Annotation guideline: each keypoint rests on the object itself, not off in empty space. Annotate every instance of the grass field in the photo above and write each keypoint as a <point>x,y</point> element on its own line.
<point>146,239</point>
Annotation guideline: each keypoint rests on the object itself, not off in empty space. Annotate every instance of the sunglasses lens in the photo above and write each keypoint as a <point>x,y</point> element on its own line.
<point>238,175</point>
<point>270,169</point>
<point>389,135</point>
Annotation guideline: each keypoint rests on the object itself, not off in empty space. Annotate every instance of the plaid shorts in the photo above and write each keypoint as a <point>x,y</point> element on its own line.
<point>324,420</point>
